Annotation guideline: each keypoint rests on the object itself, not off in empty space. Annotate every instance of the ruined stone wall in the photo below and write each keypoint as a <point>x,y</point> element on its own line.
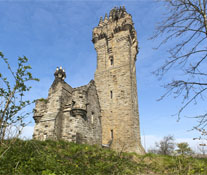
<point>50,123</point>
<point>94,114</point>
<point>72,114</point>
<point>81,118</point>
<point>116,45</point>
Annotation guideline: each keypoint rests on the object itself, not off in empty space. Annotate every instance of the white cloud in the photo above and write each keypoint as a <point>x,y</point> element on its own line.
<point>27,132</point>
<point>148,141</point>
<point>14,131</point>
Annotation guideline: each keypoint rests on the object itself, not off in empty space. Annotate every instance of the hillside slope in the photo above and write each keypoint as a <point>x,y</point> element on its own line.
<point>61,158</point>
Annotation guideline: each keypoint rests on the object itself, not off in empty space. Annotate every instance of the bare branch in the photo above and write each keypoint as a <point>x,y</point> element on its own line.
<point>186,24</point>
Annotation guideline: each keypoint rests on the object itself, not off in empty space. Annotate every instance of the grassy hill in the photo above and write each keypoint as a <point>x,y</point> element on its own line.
<point>61,158</point>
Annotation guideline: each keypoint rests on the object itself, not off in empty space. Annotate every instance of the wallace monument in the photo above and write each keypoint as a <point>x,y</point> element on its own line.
<point>105,111</point>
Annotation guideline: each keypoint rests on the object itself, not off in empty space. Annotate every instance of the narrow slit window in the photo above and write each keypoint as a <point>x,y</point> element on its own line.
<point>112,134</point>
<point>92,117</point>
<point>111,94</point>
<point>111,60</point>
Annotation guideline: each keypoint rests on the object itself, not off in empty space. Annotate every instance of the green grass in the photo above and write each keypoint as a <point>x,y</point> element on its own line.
<point>60,157</point>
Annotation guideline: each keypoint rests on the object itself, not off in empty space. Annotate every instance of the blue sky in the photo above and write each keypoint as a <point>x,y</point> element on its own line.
<point>59,33</point>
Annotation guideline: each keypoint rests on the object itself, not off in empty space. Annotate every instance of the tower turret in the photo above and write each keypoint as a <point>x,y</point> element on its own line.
<point>116,43</point>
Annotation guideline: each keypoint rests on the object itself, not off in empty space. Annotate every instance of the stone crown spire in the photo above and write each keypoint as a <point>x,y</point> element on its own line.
<point>119,20</point>
<point>60,73</point>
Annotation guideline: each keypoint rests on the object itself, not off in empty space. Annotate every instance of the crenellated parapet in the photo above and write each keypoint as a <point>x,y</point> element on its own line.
<point>118,20</point>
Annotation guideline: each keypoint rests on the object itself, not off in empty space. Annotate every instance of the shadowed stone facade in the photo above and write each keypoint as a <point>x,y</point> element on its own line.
<point>105,111</point>
<point>72,114</point>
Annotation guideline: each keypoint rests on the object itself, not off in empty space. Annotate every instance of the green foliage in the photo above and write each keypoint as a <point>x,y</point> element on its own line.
<point>184,149</point>
<point>171,165</point>
<point>54,158</point>
<point>60,157</point>
<point>43,100</point>
<point>12,91</point>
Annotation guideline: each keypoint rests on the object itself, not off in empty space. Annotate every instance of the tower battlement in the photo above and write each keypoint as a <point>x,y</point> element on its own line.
<point>118,20</point>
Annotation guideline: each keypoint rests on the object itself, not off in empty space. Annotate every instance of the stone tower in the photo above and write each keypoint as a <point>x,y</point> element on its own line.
<point>115,41</point>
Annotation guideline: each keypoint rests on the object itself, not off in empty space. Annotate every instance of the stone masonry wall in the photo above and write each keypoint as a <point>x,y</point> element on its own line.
<point>68,113</point>
<point>81,116</point>
<point>116,45</point>
<point>49,125</point>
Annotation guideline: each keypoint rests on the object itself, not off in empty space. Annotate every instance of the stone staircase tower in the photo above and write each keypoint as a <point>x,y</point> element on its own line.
<point>115,41</point>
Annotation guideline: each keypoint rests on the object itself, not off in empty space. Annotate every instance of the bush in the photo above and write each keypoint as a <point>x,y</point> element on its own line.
<point>49,157</point>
